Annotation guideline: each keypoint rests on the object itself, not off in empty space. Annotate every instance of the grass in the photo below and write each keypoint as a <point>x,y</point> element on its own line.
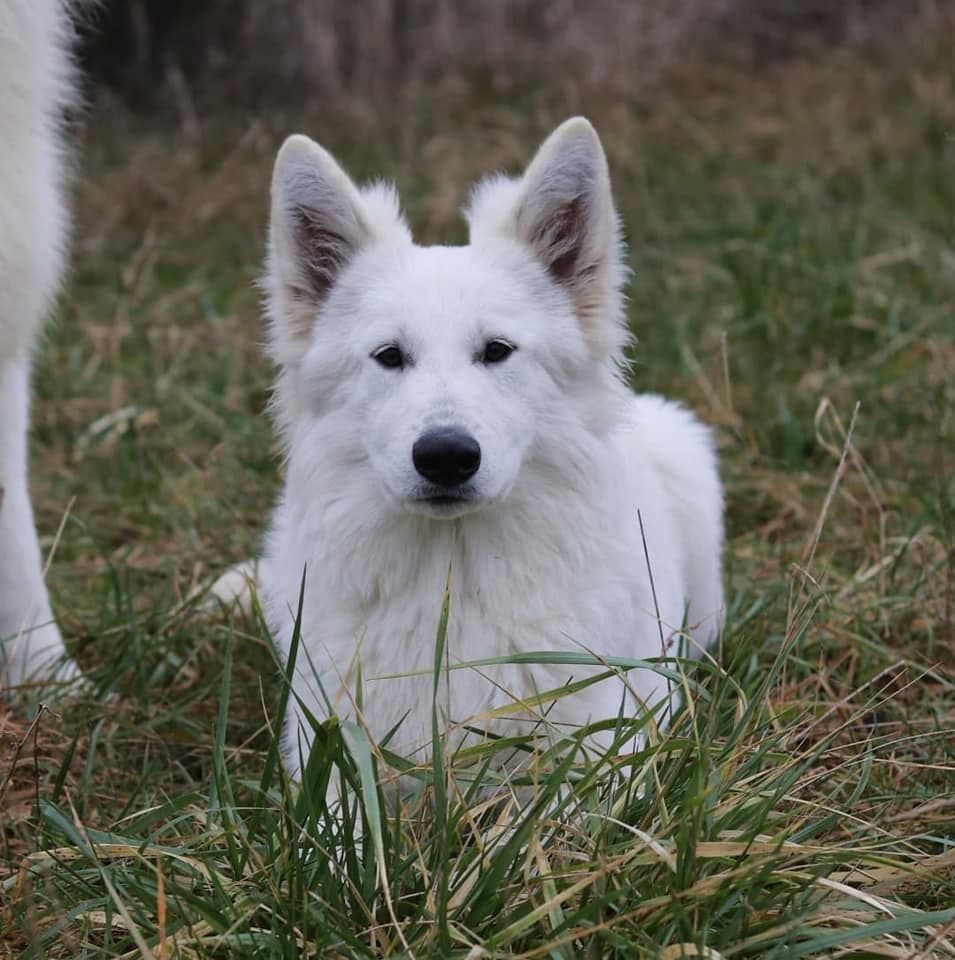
<point>794,281</point>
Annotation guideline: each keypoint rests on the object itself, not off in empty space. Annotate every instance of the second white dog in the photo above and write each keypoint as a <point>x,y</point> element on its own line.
<point>35,85</point>
<point>463,408</point>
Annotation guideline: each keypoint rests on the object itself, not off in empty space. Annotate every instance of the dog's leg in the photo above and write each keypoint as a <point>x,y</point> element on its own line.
<point>30,643</point>
<point>234,588</point>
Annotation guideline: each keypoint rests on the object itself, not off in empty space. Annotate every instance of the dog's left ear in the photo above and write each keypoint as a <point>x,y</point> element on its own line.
<point>562,209</point>
<point>565,214</point>
<point>565,211</point>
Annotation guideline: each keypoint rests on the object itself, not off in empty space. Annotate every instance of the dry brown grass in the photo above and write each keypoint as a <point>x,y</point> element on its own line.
<point>29,751</point>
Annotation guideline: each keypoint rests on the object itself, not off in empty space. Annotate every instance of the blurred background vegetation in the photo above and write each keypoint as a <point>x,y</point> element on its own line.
<point>366,55</point>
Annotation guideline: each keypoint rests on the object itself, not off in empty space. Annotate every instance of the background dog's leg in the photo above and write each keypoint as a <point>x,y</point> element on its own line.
<point>30,643</point>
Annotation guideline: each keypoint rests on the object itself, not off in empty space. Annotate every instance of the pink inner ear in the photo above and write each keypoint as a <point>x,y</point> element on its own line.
<point>320,253</point>
<point>566,240</point>
<point>560,242</point>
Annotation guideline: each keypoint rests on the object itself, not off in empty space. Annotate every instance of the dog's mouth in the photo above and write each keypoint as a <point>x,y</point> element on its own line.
<point>437,502</point>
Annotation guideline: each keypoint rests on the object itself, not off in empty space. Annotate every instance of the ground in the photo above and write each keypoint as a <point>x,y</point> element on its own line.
<point>794,282</point>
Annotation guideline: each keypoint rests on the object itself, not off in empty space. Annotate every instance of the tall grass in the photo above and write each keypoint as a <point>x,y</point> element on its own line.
<point>734,833</point>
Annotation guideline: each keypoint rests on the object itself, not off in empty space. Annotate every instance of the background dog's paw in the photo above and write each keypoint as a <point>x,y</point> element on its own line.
<point>37,658</point>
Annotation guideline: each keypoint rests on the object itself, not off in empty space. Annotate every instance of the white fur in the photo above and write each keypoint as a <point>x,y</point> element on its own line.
<point>547,553</point>
<point>34,88</point>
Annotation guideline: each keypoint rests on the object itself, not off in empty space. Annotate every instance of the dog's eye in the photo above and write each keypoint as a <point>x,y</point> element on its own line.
<point>390,357</point>
<point>497,350</point>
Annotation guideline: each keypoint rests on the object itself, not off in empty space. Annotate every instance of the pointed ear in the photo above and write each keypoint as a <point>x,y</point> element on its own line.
<point>319,222</point>
<point>562,209</point>
<point>565,211</point>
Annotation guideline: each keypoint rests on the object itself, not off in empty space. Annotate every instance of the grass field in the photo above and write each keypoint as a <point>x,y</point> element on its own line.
<point>793,248</point>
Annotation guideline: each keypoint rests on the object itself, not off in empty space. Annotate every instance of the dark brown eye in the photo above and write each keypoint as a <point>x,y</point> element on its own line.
<point>390,357</point>
<point>497,350</point>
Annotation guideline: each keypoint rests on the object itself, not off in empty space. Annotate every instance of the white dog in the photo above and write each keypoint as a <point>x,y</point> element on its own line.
<point>463,409</point>
<point>35,85</point>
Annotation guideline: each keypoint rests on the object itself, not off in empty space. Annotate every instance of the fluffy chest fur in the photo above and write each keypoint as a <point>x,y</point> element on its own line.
<point>556,569</point>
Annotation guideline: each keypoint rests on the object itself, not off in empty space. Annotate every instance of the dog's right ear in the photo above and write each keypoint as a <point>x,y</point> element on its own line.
<point>319,221</point>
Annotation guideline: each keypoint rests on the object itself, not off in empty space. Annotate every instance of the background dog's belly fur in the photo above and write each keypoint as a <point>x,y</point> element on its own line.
<point>34,78</point>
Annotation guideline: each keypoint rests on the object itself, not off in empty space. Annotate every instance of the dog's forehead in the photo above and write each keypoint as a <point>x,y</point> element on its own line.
<point>461,285</point>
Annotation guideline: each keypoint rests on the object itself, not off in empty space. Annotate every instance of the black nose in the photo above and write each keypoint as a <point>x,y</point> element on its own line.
<point>447,456</point>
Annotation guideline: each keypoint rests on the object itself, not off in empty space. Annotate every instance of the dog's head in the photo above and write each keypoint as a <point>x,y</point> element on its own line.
<point>445,369</point>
